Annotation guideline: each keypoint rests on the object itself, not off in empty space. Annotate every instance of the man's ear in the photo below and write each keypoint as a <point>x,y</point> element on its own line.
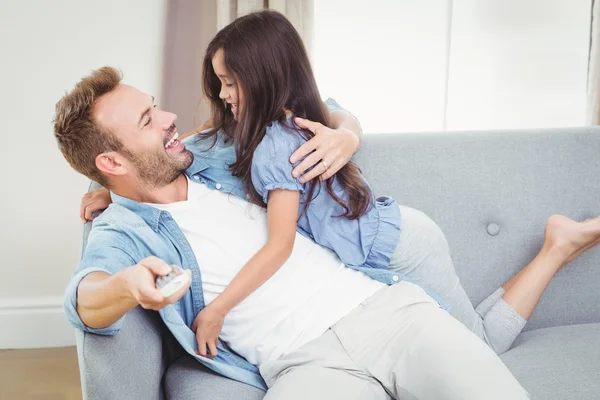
<point>111,164</point>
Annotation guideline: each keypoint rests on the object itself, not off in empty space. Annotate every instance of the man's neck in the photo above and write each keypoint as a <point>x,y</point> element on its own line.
<point>170,193</point>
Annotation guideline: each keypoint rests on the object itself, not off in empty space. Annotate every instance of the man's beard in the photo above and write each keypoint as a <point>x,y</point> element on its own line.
<point>156,169</point>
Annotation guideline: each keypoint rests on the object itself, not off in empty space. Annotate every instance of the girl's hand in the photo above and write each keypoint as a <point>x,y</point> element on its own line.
<point>93,201</point>
<point>334,147</point>
<point>208,325</point>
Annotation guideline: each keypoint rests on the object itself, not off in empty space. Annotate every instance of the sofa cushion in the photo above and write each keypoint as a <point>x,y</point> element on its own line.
<point>491,193</point>
<point>558,363</point>
<point>187,379</point>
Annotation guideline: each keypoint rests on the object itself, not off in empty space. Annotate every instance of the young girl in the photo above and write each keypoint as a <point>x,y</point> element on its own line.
<point>258,77</point>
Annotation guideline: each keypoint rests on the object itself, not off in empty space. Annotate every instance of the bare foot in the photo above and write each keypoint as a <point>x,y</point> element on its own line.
<point>570,237</point>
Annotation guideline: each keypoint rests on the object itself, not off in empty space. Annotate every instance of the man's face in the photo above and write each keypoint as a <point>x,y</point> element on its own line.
<point>152,152</point>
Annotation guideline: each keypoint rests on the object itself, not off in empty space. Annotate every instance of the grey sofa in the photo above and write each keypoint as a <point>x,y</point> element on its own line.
<point>491,193</point>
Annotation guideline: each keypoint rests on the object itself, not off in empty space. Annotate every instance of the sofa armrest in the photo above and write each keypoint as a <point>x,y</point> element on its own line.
<point>129,365</point>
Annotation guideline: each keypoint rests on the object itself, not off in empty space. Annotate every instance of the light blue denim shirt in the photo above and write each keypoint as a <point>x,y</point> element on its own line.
<point>128,231</point>
<point>368,241</point>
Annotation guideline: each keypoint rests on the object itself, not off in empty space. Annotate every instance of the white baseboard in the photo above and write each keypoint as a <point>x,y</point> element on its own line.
<point>34,322</point>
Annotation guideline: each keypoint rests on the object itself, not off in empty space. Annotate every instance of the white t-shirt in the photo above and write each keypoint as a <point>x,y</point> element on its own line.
<point>308,294</point>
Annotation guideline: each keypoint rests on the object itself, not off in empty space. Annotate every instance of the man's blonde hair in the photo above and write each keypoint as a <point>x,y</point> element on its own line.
<point>80,138</point>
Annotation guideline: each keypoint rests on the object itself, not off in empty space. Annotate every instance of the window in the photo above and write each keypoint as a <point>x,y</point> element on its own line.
<point>431,65</point>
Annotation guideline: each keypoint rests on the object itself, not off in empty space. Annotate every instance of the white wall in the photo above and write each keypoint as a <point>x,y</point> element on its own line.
<point>46,47</point>
<point>430,65</point>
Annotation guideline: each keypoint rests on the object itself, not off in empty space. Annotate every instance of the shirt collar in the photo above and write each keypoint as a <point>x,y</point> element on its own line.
<point>149,214</point>
<point>197,166</point>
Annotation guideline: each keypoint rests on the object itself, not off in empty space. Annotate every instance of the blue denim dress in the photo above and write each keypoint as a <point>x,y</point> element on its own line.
<point>368,241</point>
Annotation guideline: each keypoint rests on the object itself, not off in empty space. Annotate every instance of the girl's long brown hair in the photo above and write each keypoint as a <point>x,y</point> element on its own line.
<point>270,65</point>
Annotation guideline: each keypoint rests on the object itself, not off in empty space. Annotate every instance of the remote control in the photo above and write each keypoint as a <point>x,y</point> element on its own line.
<point>172,282</point>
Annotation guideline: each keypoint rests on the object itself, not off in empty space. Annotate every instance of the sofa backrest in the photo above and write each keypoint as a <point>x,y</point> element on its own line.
<point>491,193</point>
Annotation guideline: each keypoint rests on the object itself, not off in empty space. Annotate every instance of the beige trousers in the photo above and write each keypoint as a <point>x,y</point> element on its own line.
<point>398,344</point>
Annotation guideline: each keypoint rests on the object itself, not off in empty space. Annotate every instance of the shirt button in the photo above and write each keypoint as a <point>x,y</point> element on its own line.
<point>218,186</point>
<point>395,278</point>
<point>196,177</point>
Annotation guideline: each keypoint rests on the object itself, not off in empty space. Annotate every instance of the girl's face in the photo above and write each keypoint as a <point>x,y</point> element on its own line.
<point>230,91</point>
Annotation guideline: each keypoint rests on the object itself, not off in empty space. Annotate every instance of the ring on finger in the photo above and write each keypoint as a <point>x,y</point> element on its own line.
<point>324,164</point>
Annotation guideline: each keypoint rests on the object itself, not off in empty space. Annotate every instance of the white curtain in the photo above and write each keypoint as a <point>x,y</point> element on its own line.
<point>299,12</point>
<point>593,101</point>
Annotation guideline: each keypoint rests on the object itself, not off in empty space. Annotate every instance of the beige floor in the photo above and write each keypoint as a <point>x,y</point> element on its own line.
<point>48,374</point>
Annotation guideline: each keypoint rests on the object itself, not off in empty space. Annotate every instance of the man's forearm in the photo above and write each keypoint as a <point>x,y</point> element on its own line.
<point>102,299</point>
<point>341,119</point>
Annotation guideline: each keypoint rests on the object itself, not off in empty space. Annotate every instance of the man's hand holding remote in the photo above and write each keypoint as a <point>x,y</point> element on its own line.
<point>142,283</point>
<point>102,298</point>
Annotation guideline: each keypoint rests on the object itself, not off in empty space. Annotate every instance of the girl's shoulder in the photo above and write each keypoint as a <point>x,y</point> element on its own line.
<point>281,139</point>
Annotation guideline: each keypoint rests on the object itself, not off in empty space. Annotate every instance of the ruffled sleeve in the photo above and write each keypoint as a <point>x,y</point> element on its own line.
<point>271,167</point>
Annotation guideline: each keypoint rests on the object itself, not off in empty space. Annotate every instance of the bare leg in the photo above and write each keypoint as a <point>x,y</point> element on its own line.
<point>516,277</point>
<point>564,240</point>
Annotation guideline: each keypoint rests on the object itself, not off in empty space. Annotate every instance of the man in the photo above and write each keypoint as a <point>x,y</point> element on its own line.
<point>316,329</point>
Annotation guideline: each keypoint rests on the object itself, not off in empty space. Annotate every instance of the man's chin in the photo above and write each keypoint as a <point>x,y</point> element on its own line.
<point>186,157</point>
